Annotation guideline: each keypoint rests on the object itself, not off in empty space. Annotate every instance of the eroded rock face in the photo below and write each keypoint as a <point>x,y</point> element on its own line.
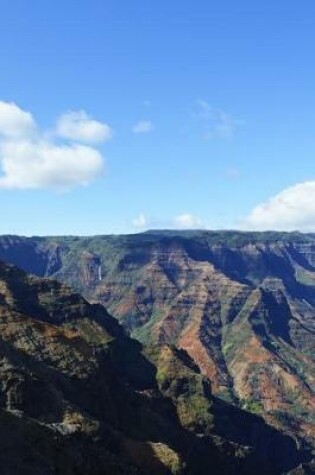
<point>241,305</point>
<point>78,396</point>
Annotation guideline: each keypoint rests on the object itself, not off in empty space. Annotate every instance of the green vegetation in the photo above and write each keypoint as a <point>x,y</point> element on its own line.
<point>252,406</point>
<point>144,333</point>
<point>179,379</point>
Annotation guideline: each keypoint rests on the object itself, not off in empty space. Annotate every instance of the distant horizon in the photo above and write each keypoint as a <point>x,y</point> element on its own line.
<point>160,231</point>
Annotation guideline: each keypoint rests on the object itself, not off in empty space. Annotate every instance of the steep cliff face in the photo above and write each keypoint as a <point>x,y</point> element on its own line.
<point>241,305</point>
<point>77,396</point>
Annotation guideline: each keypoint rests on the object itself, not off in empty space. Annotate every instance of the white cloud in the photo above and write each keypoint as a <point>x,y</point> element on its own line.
<point>78,125</point>
<point>27,164</point>
<point>15,122</point>
<point>31,160</point>
<point>143,127</point>
<point>182,221</point>
<point>187,221</point>
<point>291,209</point>
<point>216,122</point>
<point>140,221</point>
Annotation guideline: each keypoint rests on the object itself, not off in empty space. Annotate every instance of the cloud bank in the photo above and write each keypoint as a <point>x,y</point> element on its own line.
<point>182,221</point>
<point>291,209</point>
<point>187,221</point>
<point>31,158</point>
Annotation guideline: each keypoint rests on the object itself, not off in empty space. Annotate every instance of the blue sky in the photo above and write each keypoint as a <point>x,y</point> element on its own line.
<point>125,116</point>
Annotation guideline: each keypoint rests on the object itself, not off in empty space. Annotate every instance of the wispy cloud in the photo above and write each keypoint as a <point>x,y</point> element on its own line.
<point>216,123</point>
<point>291,209</point>
<point>143,127</point>
<point>30,158</point>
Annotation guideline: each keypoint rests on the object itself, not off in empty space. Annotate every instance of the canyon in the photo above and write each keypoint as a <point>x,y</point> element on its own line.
<point>233,312</point>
